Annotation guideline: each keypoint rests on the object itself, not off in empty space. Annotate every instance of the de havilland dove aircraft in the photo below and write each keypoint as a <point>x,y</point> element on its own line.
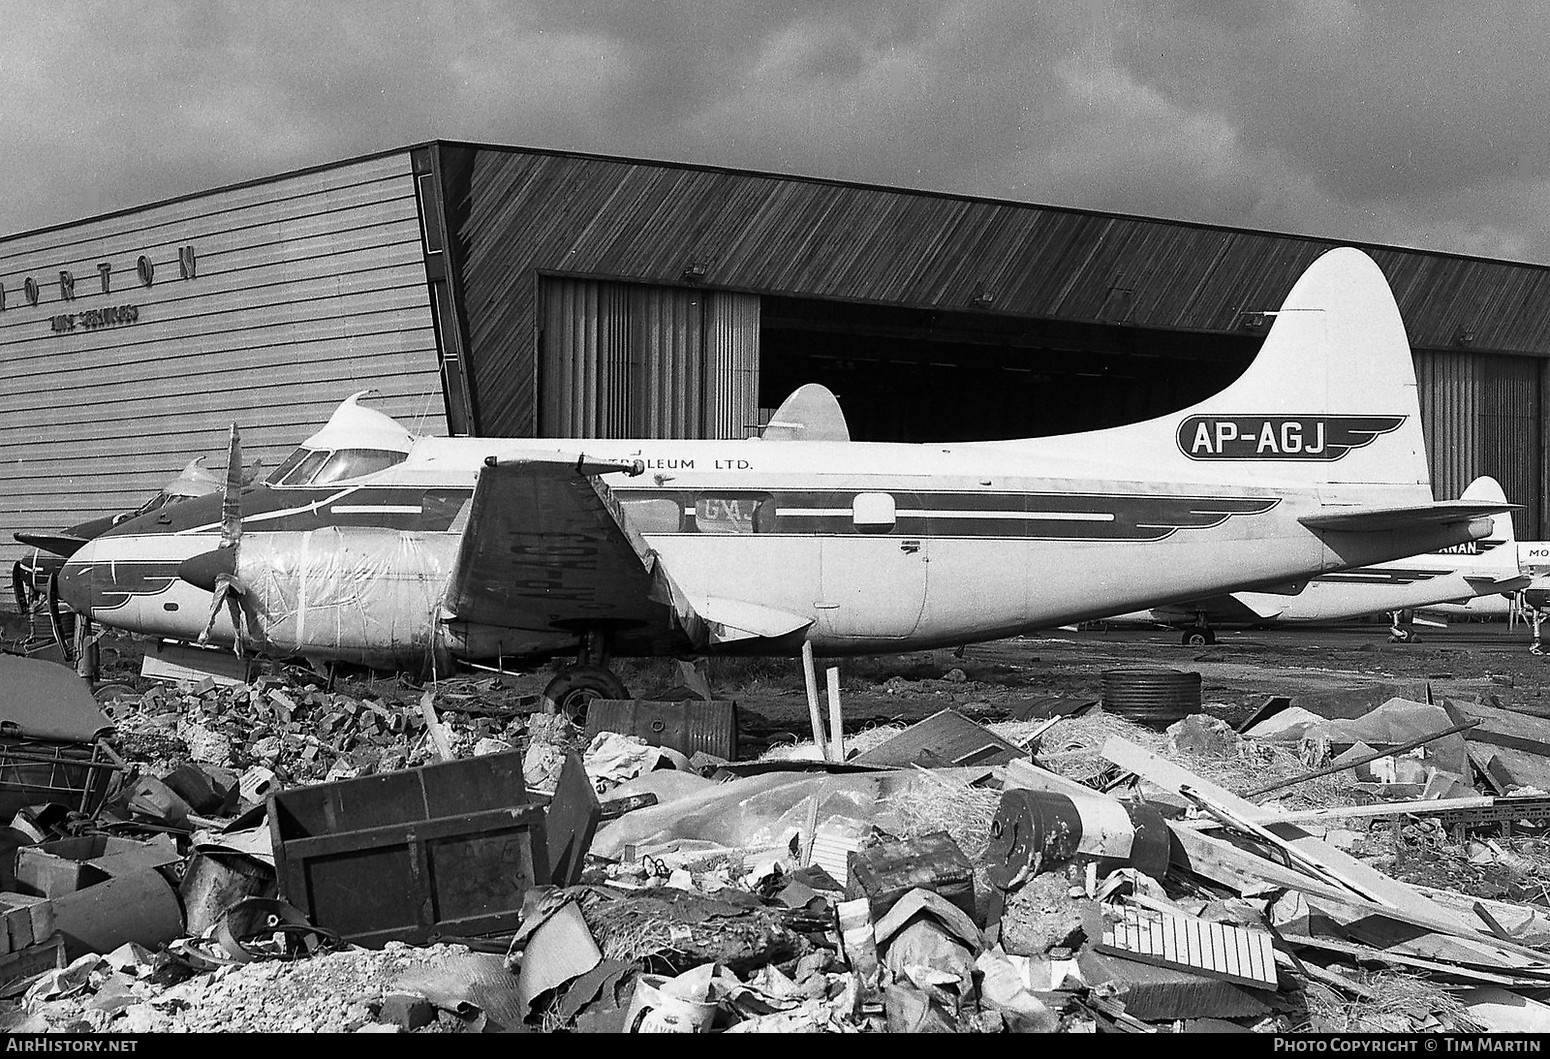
<point>1481,569</point>
<point>1531,602</point>
<point>372,547</point>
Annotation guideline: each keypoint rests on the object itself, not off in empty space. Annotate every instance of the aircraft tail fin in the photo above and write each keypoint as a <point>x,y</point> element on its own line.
<point>1329,400</point>
<point>1331,397</point>
<point>1495,554</point>
<point>811,413</point>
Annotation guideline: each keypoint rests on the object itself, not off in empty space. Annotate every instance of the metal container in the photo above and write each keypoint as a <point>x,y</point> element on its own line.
<point>1151,696</point>
<point>687,726</point>
<point>446,849</point>
<point>215,881</point>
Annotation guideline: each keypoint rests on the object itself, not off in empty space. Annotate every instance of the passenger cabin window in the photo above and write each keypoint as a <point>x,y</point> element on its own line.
<point>735,514</point>
<point>659,515</point>
<point>311,467</point>
<point>874,512</point>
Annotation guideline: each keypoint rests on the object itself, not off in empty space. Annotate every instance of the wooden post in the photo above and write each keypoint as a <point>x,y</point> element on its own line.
<point>815,714</point>
<point>433,726</point>
<point>836,720</point>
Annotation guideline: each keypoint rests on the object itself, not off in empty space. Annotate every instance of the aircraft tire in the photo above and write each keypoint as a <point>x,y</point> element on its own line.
<point>576,685</point>
<point>1199,638</point>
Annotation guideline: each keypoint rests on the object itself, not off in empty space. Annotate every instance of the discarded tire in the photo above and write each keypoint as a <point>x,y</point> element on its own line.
<point>1155,697</point>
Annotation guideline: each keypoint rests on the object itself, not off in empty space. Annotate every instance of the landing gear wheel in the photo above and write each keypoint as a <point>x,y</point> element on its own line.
<point>574,687</point>
<point>1403,636</point>
<point>1199,638</point>
<point>1536,648</point>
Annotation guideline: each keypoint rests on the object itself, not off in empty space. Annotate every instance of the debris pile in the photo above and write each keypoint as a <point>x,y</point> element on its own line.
<point>304,733</point>
<point>283,856</point>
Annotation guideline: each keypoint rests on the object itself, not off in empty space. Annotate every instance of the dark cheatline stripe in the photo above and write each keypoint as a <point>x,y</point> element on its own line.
<point>1372,576</point>
<point>1039,516</point>
<point>113,584</point>
<point>1033,516</point>
<point>380,507</point>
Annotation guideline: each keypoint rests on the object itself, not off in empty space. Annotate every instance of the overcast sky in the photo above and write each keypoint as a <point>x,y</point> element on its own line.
<point>1407,122</point>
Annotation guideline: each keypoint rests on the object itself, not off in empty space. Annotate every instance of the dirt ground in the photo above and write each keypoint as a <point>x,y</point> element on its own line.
<point>1473,660</point>
<point>989,681</point>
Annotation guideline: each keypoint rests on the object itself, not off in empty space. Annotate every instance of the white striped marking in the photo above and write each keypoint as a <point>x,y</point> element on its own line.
<point>1025,516</point>
<point>377,509</point>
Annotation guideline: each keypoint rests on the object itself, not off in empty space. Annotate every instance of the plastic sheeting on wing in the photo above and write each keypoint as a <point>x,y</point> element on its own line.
<point>359,594</point>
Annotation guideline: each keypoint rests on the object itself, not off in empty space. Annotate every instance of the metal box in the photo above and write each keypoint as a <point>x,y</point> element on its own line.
<point>441,850</point>
<point>686,726</point>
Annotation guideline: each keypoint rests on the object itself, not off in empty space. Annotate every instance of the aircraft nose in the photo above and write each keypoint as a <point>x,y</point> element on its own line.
<point>76,579</point>
<point>203,570</point>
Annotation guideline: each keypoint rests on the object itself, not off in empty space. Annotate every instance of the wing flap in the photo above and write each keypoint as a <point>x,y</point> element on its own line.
<point>1384,519</point>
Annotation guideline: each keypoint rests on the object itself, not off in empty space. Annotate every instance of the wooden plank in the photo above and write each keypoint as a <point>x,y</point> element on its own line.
<point>1421,807</point>
<point>1173,778</point>
<point>1248,873</point>
<point>1365,952</point>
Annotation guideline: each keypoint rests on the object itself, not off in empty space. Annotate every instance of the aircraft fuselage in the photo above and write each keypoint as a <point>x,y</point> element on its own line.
<point>885,547</point>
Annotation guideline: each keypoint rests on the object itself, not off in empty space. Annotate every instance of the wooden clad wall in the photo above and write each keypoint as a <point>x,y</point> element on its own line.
<point>298,292</point>
<point>518,216</point>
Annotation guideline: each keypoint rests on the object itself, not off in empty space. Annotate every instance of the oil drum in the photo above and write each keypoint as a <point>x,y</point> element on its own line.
<point>1155,697</point>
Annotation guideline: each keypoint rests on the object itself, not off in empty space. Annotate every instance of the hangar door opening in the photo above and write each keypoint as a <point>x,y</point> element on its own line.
<point>905,374</point>
<point>629,360</point>
<point>1482,415</point>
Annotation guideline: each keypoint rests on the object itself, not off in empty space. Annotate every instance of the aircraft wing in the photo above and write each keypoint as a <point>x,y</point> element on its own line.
<point>1383,519</point>
<point>548,547</point>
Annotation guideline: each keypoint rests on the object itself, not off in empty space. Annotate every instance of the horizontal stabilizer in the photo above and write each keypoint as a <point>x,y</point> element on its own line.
<point>1263,605</point>
<point>1384,519</point>
<point>1483,583</point>
<point>1223,609</point>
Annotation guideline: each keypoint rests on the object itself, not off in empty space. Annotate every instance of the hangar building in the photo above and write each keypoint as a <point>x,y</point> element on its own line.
<point>515,292</point>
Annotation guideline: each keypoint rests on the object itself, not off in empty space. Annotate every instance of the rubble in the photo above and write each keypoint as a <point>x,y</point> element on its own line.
<point>948,877</point>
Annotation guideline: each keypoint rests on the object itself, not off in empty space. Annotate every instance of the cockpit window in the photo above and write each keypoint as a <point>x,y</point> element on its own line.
<point>160,500</point>
<point>302,470</point>
<point>288,466</point>
<point>355,463</point>
<point>321,467</point>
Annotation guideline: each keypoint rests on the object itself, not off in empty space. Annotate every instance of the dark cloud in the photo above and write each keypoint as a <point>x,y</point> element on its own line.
<point>1415,123</point>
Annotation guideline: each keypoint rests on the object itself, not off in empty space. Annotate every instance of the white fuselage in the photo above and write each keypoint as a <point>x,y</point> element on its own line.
<point>978,541</point>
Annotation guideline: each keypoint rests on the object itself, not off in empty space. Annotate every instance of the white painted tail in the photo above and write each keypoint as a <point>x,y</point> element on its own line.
<point>1497,552</point>
<point>1330,398</point>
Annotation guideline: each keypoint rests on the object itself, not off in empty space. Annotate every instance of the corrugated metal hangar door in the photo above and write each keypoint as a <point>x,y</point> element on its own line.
<point>625,360</point>
<point>1482,416</point>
